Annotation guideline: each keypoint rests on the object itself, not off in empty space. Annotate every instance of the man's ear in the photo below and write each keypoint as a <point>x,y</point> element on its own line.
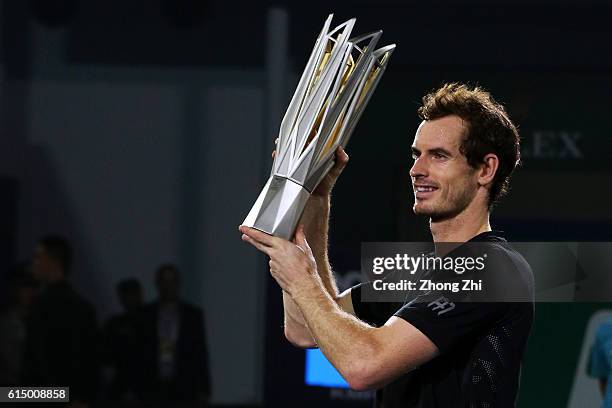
<point>488,169</point>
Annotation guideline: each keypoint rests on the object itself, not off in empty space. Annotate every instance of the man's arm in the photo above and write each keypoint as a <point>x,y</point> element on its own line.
<point>296,329</point>
<point>315,221</point>
<point>367,357</point>
<point>316,226</point>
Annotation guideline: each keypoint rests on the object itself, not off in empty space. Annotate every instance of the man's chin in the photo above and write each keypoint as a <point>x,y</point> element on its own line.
<point>420,209</point>
<point>429,212</point>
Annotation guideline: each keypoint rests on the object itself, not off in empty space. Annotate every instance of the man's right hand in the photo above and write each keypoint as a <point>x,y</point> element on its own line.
<point>326,185</point>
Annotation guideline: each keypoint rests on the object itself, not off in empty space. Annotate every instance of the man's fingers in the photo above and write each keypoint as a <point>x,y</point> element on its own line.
<point>256,244</point>
<point>274,151</point>
<point>341,160</point>
<point>341,155</point>
<point>261,237</point>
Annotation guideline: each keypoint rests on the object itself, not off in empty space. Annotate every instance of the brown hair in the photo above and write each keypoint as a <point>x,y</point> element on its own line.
<point>489,129</point>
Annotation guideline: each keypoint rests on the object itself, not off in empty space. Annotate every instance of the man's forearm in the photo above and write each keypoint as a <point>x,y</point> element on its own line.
<point>296,330</point>
<point>316,226</point>
<point>348,343</point>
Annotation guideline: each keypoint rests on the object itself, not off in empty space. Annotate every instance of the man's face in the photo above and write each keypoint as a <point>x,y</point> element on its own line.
<point>131,299</point>
<point>443,182</point>
<point>168,285</point>
<point>42,264</point>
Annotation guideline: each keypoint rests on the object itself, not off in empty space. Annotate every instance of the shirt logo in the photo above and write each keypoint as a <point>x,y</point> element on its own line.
<point>442,304</point>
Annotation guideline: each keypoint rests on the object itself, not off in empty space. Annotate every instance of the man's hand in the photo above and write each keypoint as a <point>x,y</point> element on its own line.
<point>292,264</point>
<point>315,219</point>
<point>326,185</point>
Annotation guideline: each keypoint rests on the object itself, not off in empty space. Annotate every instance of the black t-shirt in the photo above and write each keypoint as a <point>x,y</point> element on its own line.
<point>480,344</point>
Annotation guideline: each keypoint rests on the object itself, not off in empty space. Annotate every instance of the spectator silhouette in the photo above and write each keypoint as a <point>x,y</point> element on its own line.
<point>123,339</point>
<point>61,340</point>
<point>175,348</point>
<point>22,289</point>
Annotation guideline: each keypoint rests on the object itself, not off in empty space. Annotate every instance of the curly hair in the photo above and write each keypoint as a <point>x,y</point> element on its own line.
<point>489,129</point>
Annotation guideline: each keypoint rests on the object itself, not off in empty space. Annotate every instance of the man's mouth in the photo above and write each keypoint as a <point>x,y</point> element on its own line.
<point>423,191</point>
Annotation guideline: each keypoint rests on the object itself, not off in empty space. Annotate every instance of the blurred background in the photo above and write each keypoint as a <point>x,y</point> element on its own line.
<point>136,136</point>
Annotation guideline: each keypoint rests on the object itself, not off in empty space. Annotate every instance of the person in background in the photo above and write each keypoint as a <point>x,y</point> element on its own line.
<point>61,346</point>
<point>600,361</point>
<point>123,337</point>
<point>176,357</point>
<point>22,291</point>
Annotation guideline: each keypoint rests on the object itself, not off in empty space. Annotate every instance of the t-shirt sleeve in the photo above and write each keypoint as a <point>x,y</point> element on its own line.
<point>374,313</point>
<point>450,319</point>
<point>448,323</point>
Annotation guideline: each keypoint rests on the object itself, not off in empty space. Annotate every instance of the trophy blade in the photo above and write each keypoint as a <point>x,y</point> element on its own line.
<point>321,88</point>
<point>339,110</point>
<point>375,68</point>
<point>321,117</point>
<point>381,58</point>
<point>299,96</point>
<point>303,165</point>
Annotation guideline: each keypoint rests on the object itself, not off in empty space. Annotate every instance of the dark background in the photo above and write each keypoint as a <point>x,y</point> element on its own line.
<point>142,130</point>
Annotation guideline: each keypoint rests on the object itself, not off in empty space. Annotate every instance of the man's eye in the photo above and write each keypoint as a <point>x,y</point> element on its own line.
<point>438,155</point>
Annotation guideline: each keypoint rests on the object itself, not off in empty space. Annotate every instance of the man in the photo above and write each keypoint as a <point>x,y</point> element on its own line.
<point>61,346</point>
<point>599,361</point>
<point>13,317</point>
<point>464,152</point>
<point>175,350</point>
<point>123,343</point>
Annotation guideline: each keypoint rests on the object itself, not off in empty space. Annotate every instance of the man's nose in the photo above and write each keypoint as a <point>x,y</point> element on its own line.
<point>419,168</point>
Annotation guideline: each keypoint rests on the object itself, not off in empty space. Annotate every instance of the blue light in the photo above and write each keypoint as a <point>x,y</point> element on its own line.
<point>320,372</point>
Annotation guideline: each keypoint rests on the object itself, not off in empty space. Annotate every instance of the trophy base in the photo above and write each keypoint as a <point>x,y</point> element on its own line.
<point>278,207</point>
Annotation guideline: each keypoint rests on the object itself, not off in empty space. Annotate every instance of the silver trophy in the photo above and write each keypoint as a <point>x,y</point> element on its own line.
<point>336,85</point>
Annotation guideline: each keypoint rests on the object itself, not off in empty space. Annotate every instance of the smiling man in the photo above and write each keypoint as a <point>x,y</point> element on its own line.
<point>429,351</point>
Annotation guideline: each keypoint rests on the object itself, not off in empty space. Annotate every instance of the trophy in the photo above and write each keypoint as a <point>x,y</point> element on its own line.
<point>336,85</point>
